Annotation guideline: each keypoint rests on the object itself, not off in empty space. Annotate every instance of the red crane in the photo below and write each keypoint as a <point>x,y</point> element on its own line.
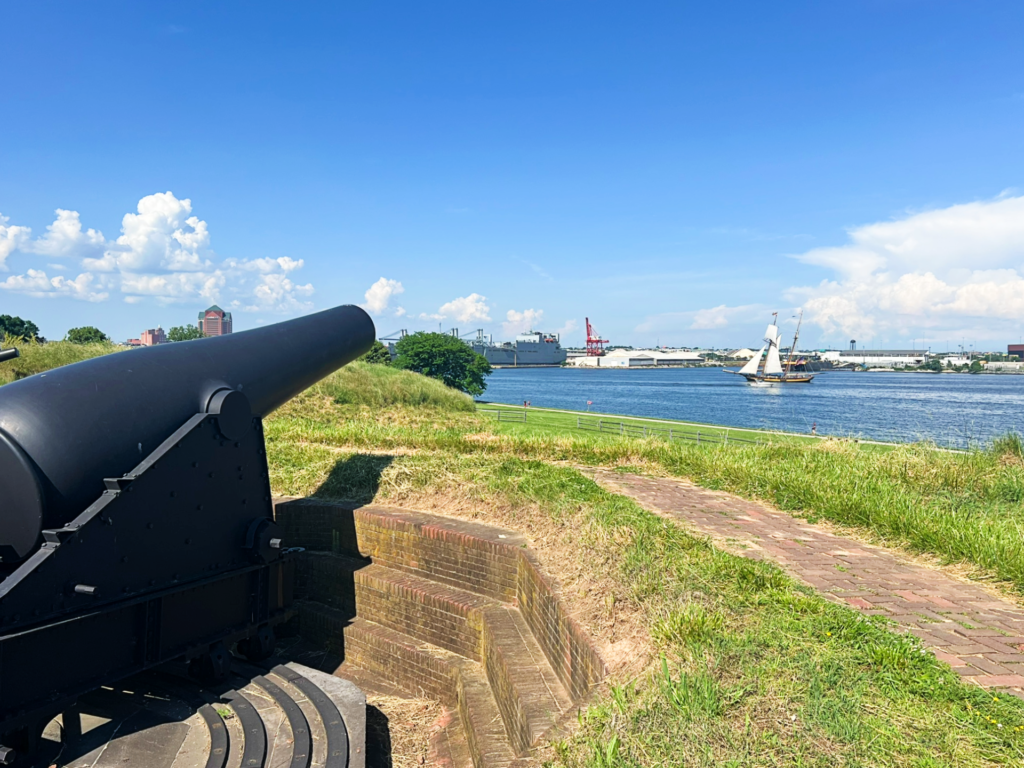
<point>594,342</point>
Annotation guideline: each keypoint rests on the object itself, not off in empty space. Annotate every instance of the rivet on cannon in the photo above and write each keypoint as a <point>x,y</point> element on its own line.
<point>85,589</point>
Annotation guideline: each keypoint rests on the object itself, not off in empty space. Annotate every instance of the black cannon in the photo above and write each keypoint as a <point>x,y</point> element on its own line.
<point>136,524</point>
<point>8,354</point>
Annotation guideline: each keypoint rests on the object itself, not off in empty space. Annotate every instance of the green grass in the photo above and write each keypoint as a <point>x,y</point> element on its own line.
<point>37,358</point>
<point>751,668</point>
<point>961,507</point>
<point>544,421</point>
<point>380,386</point>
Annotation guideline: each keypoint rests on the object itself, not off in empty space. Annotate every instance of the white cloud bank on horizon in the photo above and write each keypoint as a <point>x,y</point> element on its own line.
<point>934,275</point>
<point>163,254</point>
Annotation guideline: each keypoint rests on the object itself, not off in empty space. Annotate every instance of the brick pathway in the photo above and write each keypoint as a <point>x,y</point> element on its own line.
<point>980,636</point>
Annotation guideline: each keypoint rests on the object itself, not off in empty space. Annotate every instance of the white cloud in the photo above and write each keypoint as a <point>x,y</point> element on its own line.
<point>466,309</point>
<point>379,295</point>
<point>175,286</point>
<point>279,294</point>
<point>569,327</point>
<point>716,317</point>
<point>162,236</point>
<point>163,254</point>
<point>36,283</point>
<point>927,274</point>
<point>11,239</point>
<point>283,264</point>
<point>65,238</point>
<point>519,322</point>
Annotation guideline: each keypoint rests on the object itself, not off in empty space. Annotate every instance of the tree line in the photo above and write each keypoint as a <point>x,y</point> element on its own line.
<point>20,328</point>
<point>436,355</point>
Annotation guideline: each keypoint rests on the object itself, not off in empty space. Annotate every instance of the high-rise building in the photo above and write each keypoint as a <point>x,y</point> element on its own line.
<point>214,321</point>
<point>153,336</point>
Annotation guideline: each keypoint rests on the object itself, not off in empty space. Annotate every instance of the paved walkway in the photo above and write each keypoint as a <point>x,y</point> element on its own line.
<point>979,635</point>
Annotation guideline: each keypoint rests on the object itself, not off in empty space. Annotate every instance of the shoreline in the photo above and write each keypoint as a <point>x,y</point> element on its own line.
<point>697,424</point>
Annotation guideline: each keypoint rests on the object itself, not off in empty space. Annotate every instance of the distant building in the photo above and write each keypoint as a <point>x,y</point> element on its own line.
<point>1015,350</point>
<point>876,358</point>
<point>740,354</point>
<point>153,336</point>
<point>214,321</point>
<point>639,358</point>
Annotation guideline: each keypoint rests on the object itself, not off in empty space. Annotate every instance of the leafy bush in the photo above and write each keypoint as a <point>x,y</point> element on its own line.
<point>446,358</point>
<point>184,333</point>
<point>378,355</point>
<point>86,335</point>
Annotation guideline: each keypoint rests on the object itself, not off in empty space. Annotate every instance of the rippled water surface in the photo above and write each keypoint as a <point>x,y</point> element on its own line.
<point>949,409</point>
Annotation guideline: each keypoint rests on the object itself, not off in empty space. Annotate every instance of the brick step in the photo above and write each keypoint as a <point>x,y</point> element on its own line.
<point>427,670</point>
<point>470,556</point>
<point>529,694</point>
<point>451,593</point>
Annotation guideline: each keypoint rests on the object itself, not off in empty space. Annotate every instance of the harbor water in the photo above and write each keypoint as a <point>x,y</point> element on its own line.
<point>954,410</point>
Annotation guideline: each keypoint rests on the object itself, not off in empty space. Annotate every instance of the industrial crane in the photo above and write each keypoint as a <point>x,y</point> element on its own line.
<point>594,342</point>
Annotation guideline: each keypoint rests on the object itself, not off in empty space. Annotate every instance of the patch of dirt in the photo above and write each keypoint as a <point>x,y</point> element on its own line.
<point>399,730</point>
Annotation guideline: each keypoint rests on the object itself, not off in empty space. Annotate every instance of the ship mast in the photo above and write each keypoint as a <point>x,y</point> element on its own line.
<point>789,360</point>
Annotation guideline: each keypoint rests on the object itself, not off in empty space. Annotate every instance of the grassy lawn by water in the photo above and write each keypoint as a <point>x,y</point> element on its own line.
<point>744,667</point>
<point>540,421</point>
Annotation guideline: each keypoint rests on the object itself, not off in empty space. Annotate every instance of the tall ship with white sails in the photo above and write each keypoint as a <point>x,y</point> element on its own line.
<point>766,367</point>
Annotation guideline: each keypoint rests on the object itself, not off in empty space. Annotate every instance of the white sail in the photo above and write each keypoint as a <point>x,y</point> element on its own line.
<point>751,366</point>
<point>772,364</point>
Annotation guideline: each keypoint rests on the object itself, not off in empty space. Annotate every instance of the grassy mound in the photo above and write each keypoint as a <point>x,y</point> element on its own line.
<point>36,358</point>
<point>380,386</point>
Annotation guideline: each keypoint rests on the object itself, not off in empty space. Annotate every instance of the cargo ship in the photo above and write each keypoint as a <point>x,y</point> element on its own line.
<point>528,349</point>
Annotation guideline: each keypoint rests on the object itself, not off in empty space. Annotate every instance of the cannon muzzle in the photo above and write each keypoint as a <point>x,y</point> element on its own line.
<point>8,354</point>
<point>63,432</point>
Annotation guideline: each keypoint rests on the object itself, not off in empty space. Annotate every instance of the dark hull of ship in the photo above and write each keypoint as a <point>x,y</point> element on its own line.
<point>792,378</point>
<point>789,378</point>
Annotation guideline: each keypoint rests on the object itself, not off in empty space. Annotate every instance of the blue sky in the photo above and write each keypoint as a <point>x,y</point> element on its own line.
<point>674,171</point>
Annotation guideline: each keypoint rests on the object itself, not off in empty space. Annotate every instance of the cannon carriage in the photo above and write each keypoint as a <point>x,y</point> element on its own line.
<point>136,524</point>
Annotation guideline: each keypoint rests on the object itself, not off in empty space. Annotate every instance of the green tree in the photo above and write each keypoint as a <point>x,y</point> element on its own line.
<point>86,335</point>
<point>184,333</point>
<point>446,358</point>
<point>378,354</point>
<point>976,367</point>
<point>15,326</point>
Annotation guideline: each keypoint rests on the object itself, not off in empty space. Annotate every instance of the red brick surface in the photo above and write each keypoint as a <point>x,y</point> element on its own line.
<point>445,608</point>
<point>978,634</point>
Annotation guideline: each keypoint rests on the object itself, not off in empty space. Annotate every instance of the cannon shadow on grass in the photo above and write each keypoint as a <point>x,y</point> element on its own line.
<point>355,478</point>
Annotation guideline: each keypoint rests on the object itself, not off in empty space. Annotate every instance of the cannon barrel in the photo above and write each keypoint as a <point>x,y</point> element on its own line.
<point>64,431</point>
<point>8,354</point>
